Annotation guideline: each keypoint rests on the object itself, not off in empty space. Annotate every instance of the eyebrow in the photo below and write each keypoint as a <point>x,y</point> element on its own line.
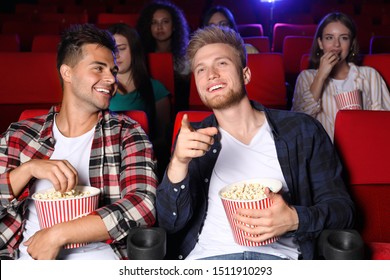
<point>216,59</point>
<point>104,64</point>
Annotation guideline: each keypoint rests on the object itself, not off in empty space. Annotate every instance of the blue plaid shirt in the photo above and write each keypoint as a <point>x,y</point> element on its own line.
<point>311,169</point>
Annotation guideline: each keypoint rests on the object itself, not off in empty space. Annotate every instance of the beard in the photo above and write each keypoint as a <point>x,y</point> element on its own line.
<point>225,101</point>
<point>228,100</point>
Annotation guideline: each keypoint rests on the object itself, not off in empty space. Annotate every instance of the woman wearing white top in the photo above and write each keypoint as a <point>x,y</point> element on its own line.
<point>333,69</point>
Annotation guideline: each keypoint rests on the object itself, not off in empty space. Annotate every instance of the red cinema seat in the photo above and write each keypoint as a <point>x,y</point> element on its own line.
<point>361,138</point>
<point>281,30</point>
<point>381,63</point>
<point>45,43</point>
<point>9,43</point>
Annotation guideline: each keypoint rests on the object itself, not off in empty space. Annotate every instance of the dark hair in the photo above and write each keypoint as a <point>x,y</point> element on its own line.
<point>180,35</point>
<point>217,34</point>
<point>224,11</point>
<point>139,68</point>
<point>316,53</point>
<point>73,39</point>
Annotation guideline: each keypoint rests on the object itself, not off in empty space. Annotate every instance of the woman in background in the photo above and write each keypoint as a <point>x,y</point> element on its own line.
<point>137,91</point>
<point>333,70</point>
<point>222,16</point>
<point>164,28</point>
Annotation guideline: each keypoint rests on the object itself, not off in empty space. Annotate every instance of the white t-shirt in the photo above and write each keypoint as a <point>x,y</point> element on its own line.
<point>77,151</point>
<point>237,162</point>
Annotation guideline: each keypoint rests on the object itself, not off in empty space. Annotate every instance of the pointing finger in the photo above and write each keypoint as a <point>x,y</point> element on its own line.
<point>185,123</point>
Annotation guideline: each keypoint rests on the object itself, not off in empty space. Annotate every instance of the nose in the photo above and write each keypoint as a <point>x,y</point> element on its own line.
<point>109,78</point>
<point>212,73</point>
<point>337,41</point>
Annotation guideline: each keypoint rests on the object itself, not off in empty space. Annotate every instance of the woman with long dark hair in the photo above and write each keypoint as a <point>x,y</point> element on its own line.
<point>335,73</point>
<point>136,89</point>
<point>164,28</point>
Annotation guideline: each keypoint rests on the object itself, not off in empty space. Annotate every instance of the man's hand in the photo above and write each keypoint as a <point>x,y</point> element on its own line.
<point>276,220</point>
<point>190,144</point>
<point>43,245</point>
<point>60,173</point>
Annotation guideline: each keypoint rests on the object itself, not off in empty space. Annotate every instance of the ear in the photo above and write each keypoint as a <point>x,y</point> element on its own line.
<point>320,43</point>
<point>247,75</point>
<point>66,72</point>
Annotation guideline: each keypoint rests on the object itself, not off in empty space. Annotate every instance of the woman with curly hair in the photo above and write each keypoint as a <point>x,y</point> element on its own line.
<point>164,28</point>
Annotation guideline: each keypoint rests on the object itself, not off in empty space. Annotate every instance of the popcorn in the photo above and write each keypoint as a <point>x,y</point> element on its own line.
<point>53,194</point>
<point>246,191</point>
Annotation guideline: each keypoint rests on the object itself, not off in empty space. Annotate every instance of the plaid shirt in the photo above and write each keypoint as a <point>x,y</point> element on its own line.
<point>310,166</point>
<point>122,166</point>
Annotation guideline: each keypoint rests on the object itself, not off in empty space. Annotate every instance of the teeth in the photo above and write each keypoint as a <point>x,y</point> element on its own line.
<point>215,87</point>
<point>103,90</point>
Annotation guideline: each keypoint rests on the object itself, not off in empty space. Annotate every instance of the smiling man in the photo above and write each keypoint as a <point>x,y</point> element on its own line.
<point>77,143</point>
<point>243,140</point>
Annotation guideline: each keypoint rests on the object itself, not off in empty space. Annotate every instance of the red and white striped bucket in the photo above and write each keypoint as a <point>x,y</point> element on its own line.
<point>55,211</point>
<point>350,100</point>
<point>231,206</point>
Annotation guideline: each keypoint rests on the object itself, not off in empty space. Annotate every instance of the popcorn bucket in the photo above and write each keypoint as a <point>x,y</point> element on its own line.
<point>350,100</point>
<point>260,202</point>
<point>53,210</point>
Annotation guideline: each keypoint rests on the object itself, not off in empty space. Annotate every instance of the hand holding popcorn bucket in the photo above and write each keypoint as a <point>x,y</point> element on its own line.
<point>350,100</point>
<point>248,194</point>
<point>54,207</point>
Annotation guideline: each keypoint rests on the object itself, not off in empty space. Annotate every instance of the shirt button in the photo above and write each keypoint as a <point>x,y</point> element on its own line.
<point>175,190</point>
<point>182,187</point>
<point>206,180</point>
<point>214,151</point>
<point>174,213</point>
<point>180,257</point>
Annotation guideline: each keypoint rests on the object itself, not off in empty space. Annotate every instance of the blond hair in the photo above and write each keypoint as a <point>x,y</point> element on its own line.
<point>214,35</point>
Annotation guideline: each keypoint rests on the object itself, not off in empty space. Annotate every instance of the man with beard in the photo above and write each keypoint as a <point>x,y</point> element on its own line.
<point>243,140</point>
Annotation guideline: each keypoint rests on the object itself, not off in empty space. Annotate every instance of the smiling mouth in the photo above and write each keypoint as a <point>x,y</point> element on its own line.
<point>215,87</point>
<point>103,90</point>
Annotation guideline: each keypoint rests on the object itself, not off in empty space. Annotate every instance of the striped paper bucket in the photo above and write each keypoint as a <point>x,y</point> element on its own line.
<point>350,100</point>
<point>59,210</point>
<point>231,206</point>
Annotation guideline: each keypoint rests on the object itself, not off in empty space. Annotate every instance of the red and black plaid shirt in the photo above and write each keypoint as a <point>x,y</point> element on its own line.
<point>122,166</point>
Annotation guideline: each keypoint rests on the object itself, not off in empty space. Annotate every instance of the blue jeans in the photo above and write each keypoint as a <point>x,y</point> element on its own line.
<point>246,255</point>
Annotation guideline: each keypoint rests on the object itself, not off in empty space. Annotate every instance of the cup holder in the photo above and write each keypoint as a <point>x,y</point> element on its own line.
<point>341,245</point>
<point>146,244</point>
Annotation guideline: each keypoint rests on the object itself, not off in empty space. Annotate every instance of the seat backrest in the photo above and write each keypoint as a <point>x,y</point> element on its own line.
<point>250,29</point>
<point>27,30</point>
<point>305,62</point>
<point>137,115</point>
<point>282,30</point>
<point>193,116</point>
<point>379,44</point>
<point>140,117</point>
<point>161,68</point>
<point>110,18</point>
<point>64,19</point>
<point>362,140</point>
<point>381,63</point>
<point>268,83</point>
<point>261,43</point>
<point>29,77</point>
<point>9,43</point>
<point>293,49</point>
<point>45,43</point>
<point>29,80</point>
<point>31,113</point>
